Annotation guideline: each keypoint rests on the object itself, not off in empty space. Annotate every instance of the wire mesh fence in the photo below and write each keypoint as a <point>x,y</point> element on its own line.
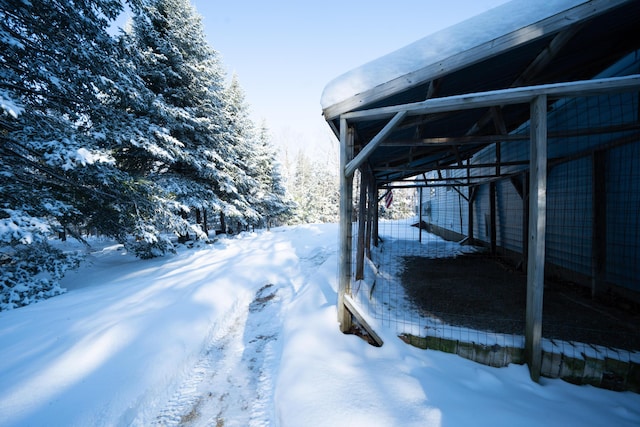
<point>447,266</point>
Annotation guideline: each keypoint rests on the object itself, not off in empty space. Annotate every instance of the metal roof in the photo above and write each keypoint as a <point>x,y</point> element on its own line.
<point>575,44</point>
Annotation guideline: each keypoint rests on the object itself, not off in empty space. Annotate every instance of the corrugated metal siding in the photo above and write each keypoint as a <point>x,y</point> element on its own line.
<point>569,216</point>
<point>508,216</point>
<point>449,208</point>
<point>481,211</point>
<point>623,216</point>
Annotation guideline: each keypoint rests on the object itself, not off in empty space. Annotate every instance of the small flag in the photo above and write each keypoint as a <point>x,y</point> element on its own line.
<point>388,199</point>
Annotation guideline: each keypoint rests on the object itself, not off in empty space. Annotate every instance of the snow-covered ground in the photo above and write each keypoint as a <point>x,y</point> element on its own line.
<point>243,333</point>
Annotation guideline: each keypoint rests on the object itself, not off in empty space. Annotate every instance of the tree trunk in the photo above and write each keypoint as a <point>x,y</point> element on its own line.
<point>223,225</point>
<point>184,237</point>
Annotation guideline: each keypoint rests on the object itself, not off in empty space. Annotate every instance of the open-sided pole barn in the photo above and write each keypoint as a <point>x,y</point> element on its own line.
<point>495,102</point>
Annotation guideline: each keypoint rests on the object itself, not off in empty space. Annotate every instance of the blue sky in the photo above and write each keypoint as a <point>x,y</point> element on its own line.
<point>285,51</point>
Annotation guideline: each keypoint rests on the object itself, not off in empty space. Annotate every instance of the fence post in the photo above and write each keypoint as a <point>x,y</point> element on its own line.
<point>536,236</point>
<point>346,242</point>
<point>362,218</point>
<point>371,210</point>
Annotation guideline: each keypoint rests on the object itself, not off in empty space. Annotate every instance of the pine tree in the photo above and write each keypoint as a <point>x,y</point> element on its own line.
<point>315,190</point>
<point>240,204</point>
<point>272,199</point>
<point>185,75</point>
<point>60,73</point>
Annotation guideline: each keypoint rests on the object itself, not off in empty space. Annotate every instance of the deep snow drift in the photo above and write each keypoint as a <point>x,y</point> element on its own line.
<point>244,333</point>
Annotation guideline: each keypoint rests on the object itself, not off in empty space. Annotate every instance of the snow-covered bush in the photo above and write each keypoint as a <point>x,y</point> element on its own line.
<point>31,267</point>
<point>149,243</point>
<point>31,273</point>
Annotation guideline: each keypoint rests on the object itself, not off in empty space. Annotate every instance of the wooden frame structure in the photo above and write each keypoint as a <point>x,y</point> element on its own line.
<point>437,116</point>
<point>537,98</point>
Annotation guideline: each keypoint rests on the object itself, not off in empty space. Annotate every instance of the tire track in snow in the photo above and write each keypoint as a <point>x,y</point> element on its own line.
<point>232,383</point>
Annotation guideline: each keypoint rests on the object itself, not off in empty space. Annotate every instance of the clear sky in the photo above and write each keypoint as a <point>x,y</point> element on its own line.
<point>286,51</point>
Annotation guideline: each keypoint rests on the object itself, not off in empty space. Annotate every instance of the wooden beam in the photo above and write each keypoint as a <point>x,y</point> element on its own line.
<point>472,196</point>
<point>534,68</point>
<point>362,223</point>
<point>536,236</point>
<point>544,58</point>
<point>420,213</point>
<point>346,241</point>
<point>375,231</point>
<point>368,149</point>
<point>361,318</point>
<point>451,167</point>
<point>492,217</point>
<point>371,210</point>
<point>434,87</point>
<point>518,95</point>
<point>490,139</point>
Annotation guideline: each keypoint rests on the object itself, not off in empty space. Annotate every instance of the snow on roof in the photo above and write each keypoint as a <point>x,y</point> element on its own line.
<point>441,45</point>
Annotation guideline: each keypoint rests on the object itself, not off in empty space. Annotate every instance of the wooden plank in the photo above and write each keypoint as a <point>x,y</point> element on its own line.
<point>492,217</point>
<point>519,95</point>
<point>375,235</point>
<point>371,210</point>
<point>360,317</point>
<point>362,213</point>
<point>536,236</point>
<point>525,220</point>
<point>434,87</point>
<point>490,139</point>
<point>363,155</point>
<point>472,196</point>
<point>544,58</point>
<point>420,214</point>
<point>346,206</point>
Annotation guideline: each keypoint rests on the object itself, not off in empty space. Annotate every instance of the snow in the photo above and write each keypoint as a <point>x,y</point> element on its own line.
<point>21,227</point>
<point>243,332</point>
<point>439,46</point>
<point>9,106</point>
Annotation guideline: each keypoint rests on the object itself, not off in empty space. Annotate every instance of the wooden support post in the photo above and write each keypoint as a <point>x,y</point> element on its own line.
<point>361,318</point>
<point>492,211</point>
<point>599,232</point>
<point>346,208</point>
<point>374,200</point>
<point>525,220</point>
<point>472,196</point>
<point>420,215</point>
<point>371,195</point>
<point>362,218</point>
<point>537,230</point>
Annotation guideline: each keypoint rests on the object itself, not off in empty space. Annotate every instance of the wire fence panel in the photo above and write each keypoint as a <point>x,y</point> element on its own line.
<point>446,260</point>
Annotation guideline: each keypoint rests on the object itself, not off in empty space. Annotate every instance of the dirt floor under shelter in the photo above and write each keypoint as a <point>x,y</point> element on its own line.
<point>483,293</point>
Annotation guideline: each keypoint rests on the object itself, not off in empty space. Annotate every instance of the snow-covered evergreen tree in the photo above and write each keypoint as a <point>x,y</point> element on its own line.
<point>241,206</point>
<point>273,201</point>
<point>186,77</point>
<point>315,190</point>
<point>59,72</point>
<point>129,136</point>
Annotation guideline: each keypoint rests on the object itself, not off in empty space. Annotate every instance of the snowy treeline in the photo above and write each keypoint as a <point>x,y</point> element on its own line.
<point>136,137</point>
<point>314,184</point>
